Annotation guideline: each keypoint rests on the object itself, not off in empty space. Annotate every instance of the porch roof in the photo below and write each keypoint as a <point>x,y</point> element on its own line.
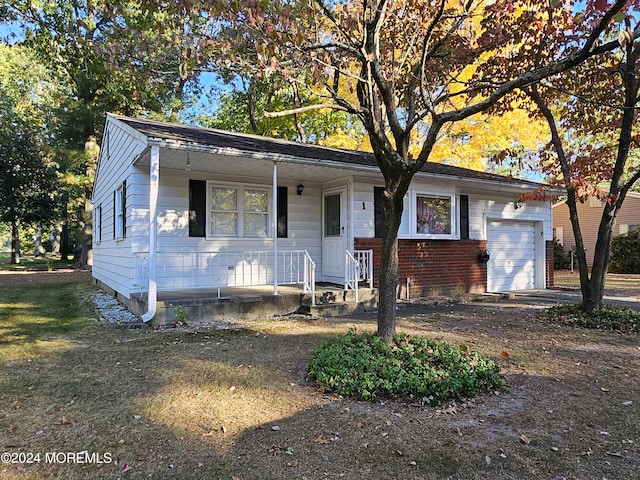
<point>205,141</point>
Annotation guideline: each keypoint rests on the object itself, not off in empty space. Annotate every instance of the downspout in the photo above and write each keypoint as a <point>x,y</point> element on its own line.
<point>275,228</point>
<point>154,175</point>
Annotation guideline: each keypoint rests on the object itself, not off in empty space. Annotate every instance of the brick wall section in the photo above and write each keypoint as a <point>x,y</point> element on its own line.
<point>435,267</point>
<point>550,264</point>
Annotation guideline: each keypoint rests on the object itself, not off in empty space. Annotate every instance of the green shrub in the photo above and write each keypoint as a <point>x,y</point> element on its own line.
<point>607,317</point>
<point>366,367</point>
<point>561,259</point>
<point>625,253</point>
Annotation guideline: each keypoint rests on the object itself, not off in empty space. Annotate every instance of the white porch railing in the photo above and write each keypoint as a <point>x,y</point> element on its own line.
<point>181,270</point>
<point>358,268</point>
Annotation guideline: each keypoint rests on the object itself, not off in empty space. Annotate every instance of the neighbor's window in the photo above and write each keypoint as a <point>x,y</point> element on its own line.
<point>238,211</point>
<point>433,215</point>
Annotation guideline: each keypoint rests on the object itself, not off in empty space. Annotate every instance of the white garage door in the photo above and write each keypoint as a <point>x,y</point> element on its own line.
<point>512,263</point>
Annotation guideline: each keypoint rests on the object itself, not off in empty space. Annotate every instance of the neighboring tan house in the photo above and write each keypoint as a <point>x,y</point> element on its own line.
<point>589,215</point>
<point>183,208</point>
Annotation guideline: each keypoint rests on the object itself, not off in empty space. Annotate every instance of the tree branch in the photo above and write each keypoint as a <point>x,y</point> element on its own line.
<point>307,108</point>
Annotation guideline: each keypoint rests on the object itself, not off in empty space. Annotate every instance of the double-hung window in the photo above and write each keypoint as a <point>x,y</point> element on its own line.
<point>433,214</point>
<point>238,211</point>
<point>426,214</point>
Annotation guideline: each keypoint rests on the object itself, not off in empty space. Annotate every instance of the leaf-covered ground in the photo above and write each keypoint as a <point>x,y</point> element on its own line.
<point>235,405</point>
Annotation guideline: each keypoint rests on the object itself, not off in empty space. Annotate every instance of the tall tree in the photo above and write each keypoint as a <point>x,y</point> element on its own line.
<point>409,62</point>
<point>26,180</point>
<point>29,96</point>
<point>115,56</point>
<point>593,117</point>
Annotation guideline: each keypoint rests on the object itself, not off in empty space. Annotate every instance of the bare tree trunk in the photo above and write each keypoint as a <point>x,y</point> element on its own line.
<point>85,237</point>
<point>85,226</point>
<point>15,242</point>
<point>38,249</point>
<point>55,240</point>
<point>388,274</point>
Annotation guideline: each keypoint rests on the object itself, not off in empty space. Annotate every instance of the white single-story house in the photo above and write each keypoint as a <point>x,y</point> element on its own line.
<point>589,216</point>
<point>178,207</point>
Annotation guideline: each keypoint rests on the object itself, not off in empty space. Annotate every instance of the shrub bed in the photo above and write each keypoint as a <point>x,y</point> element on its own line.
<point>364,366</point>
<point>607,317</point>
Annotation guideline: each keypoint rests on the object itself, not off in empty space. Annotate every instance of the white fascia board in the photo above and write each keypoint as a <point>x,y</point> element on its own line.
<point>272,157</point>
<point>130,130</point>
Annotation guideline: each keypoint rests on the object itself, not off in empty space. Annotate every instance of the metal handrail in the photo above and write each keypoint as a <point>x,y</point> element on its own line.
<point>358,268</point>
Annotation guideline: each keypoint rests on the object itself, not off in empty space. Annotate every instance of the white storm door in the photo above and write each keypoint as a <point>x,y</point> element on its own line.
<point>334,235</point>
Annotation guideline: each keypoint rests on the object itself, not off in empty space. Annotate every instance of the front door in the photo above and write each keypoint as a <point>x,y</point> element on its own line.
<point>334,235</point>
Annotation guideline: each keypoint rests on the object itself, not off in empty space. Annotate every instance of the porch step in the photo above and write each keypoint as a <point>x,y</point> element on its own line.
<point>335,303</point>
<point>246,303</point>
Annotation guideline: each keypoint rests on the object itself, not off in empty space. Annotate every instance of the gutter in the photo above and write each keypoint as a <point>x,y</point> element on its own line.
<point>154,178</point>
<point>487,184</point>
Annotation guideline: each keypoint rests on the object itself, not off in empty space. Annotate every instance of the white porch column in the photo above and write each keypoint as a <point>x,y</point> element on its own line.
<point>275,228</point>
<point>154,178</point>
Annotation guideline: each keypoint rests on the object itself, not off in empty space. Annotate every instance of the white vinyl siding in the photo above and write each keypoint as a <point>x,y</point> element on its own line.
<point>589,216</point>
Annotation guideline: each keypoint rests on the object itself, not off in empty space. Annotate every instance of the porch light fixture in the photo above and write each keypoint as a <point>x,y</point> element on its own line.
<point>299,189</point>
<point>517,204</point>
<point>187,165</point>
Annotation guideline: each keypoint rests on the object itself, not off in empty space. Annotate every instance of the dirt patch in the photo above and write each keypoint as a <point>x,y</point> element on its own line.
<point>234,404</point>
<point>39,277</point>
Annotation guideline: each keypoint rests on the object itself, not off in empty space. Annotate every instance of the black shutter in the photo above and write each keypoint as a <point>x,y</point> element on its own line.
<point>115,214</point>
<point>464,217</point>
<point>100,223</point>
<point>124,209</point>
<point>197,207</point>
<point>283,212</point>
<point>378,209</point>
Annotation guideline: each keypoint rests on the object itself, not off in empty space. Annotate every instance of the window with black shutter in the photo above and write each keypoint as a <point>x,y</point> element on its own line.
<point>283,212</point>
<point>378,209</point>
<point>197,207</point>
<point>464,217</point>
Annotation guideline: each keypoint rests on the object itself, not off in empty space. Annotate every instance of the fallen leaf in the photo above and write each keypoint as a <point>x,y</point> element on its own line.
<point>505,354</point>
<point>295,463</point>
<point>524,439</point>
<point>359,424</point>
<point>321,440</point>
<point>65,421</point>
